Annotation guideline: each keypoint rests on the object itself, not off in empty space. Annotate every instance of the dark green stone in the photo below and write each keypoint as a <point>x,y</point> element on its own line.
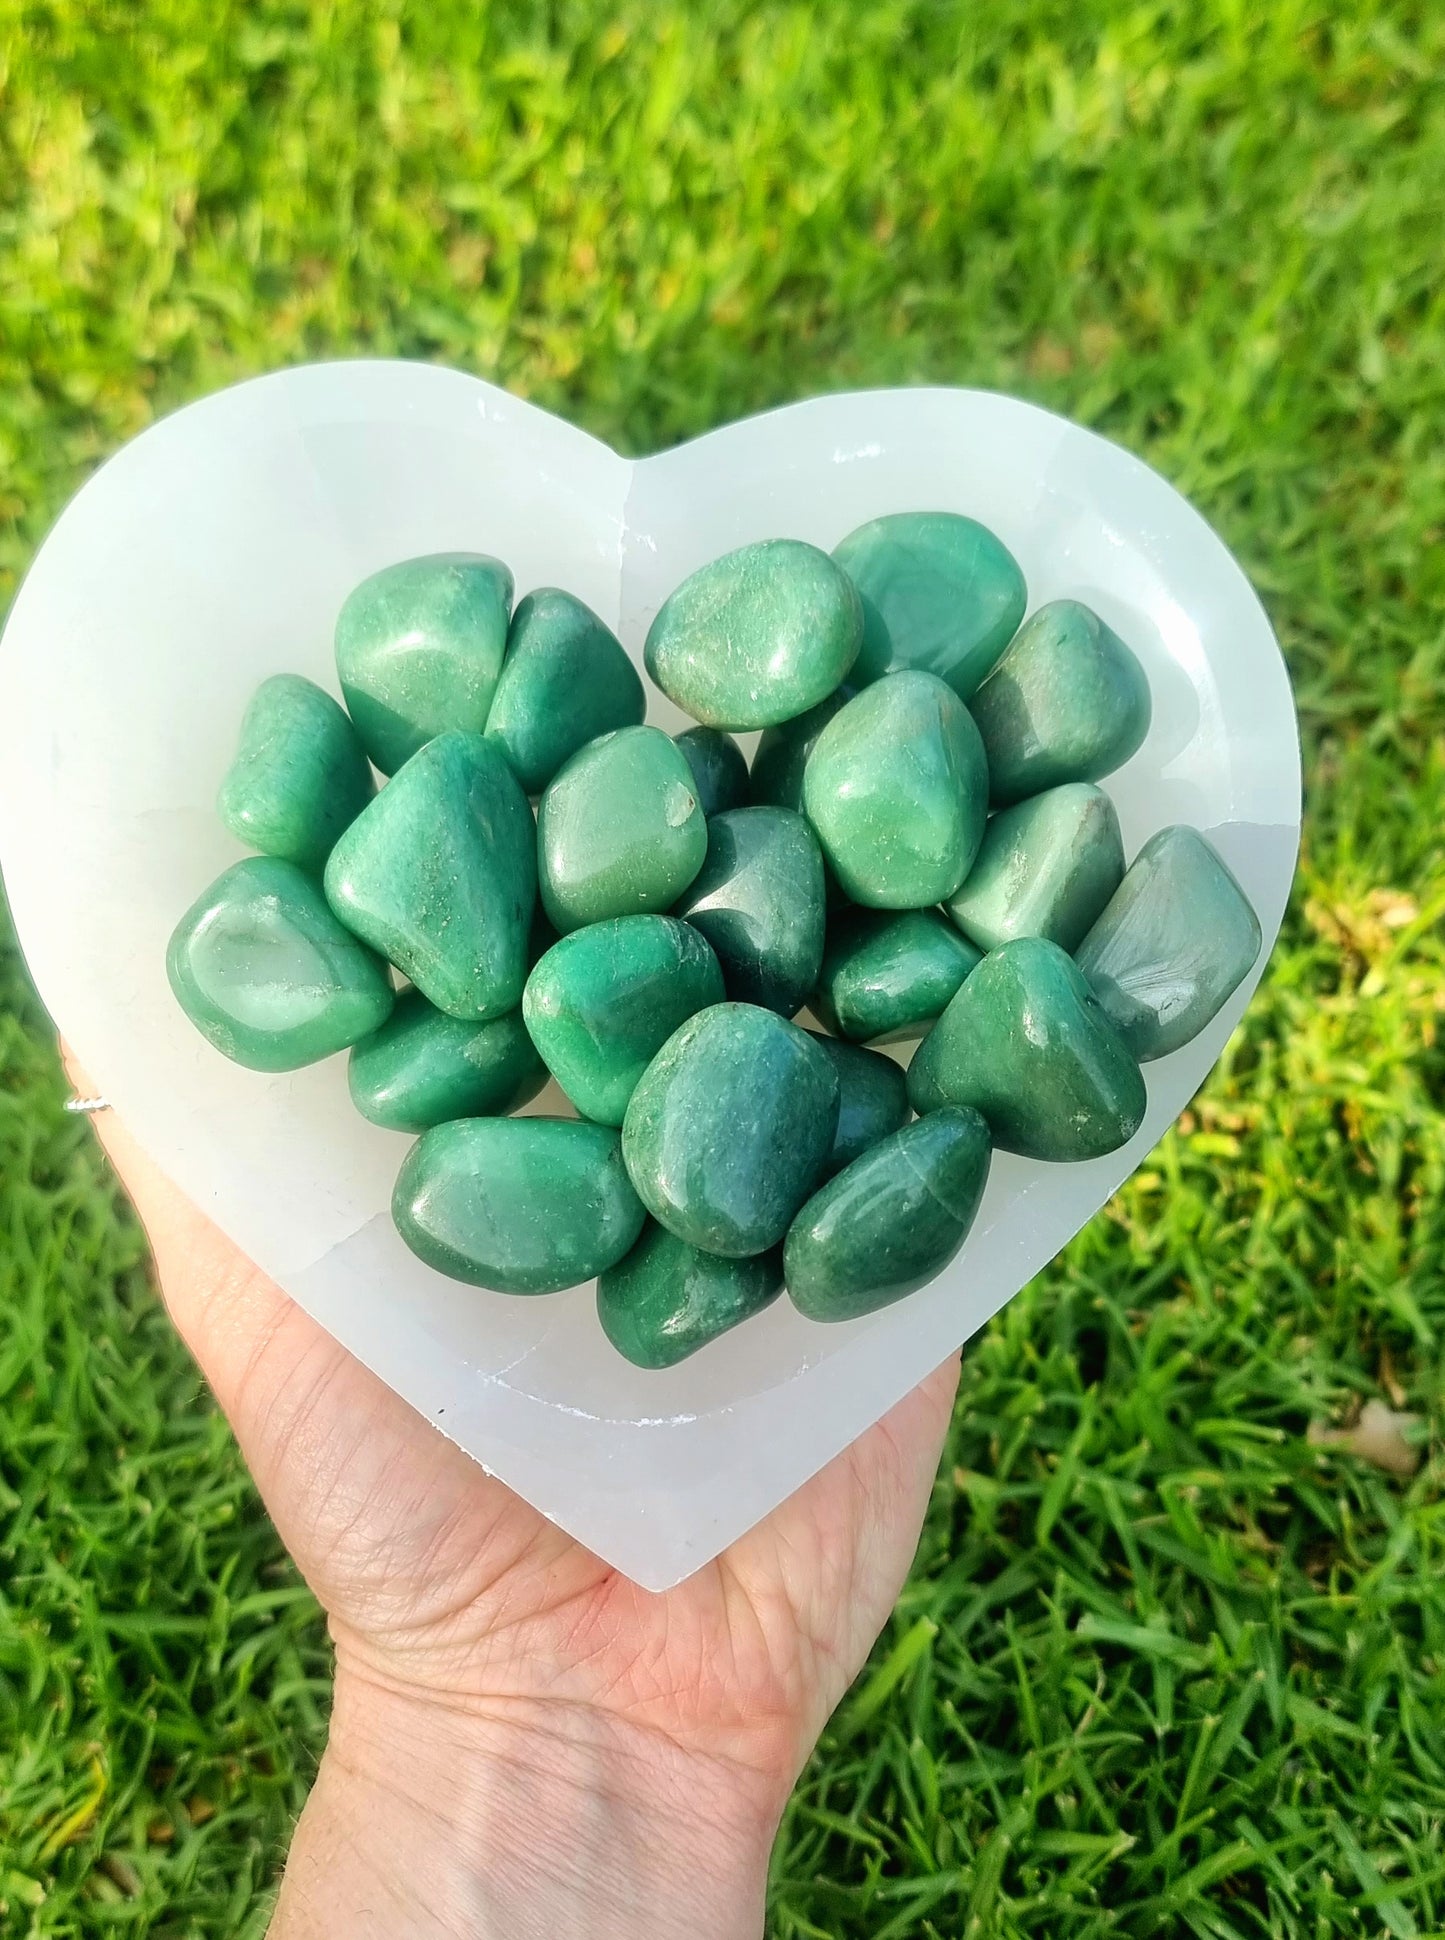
<point>423,1067</point>
<point>264,970</point>
<point>440,875</point>
<point>1176,940</point>
<point>758,899</point>
<point>719,768</point>
<point>757,636</point>
<point>1068,702</point>
<point>897,792</point>
<point>520,1205</point>
<point>730,1127</point>
<point>667,1299</point>
<point>872,1099</point>
<point>776,776</point>
<point>419,648</point>
<point>886,976</point>
<point>300,773</point>
<point>939,592</point>
<point>619,830</point>
<point>1047,867</point>
<point>602,1003</point>
<point>892,1221</point>
<point>1027,1043</point>
<point>566,679</point>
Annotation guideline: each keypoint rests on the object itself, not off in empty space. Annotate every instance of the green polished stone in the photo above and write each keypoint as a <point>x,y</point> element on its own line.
<point>886,976</point>
<point>892,1221</point>
<point>872,1099</point>
<point>300,773</point>
<point>758,899</point>
<point>719,768</point>
<point>1176,940</point>
<point>730,1127</point>
<point>619,829</point>
<point>1046,868</point>
<point>520,1205</point>
<point>667,1299</point>
<point>776,776</point>
<point>264,970</point>
<point>897,792</point>
<point>440,875</point>
<point>423,1067</point>
<point>419,648</point>
<point>756,636</point>
<point>602,1003</point>
<point>939,592</point>
<point>1068,702</point>
<point>566,679</point>
<point>1027,1043</point>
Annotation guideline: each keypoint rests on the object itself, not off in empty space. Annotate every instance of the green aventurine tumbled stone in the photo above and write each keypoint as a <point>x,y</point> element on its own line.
<point>729,1128</point>
<point>872,1099</point>
<point>939,592</point>
<point>300,773</point>
<point>602,1003</point>
<point>887,976</point>
<point>440,875</point>
<point>719,768</point>
<point>565,680</point>
<point>756,636</point>
<point>423,1067</point>
<point>1068,702</point>
<point>892,1221</point>
<point>1027,1043</point>
<point>776,776</point>
<point>667,1299</point>
<point>758,899</point>
<point>264,970</point>
<point>619,829</point>
<point>1176,940</point>
<point>419,647</point>
<point>897,792</point>
<point>1046,868</point>
<point>520,1205</point>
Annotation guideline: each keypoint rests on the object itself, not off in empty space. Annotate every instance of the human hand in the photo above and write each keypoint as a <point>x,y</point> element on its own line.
<point>522,1741</point>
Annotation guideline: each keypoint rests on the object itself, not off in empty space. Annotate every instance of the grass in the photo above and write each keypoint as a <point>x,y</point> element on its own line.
<point>1163,1665</point>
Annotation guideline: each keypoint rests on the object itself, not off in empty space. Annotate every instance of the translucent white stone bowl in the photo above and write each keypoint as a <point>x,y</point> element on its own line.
<point>217,548</point>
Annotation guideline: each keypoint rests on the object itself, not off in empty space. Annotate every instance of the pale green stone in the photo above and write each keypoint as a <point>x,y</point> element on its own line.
<point>939,592</point>
<point>1068,702</point>
<point>603,1001</point>
<point>263,969</point>
<point>619,830</point>
<point>897,792</point>
<point>1174,944</point>
<point>419,649</point>
<point>299,776</point>
<point>1047,867</point>
<point>757,636</point>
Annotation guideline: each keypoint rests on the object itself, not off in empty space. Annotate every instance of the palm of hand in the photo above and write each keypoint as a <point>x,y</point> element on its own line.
<point>439,1582</point>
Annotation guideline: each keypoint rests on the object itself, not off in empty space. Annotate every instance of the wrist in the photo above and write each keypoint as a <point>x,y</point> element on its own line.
<point>429,1822</point>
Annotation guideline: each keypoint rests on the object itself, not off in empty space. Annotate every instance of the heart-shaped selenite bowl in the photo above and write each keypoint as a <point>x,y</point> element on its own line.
<point>217,548</point>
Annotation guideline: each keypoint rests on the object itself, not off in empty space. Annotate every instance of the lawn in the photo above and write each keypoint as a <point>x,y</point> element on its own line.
<point>1164,1666</point>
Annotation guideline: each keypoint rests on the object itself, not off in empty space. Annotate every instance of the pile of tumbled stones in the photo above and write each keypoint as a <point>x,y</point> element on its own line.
<point>920,851</point>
